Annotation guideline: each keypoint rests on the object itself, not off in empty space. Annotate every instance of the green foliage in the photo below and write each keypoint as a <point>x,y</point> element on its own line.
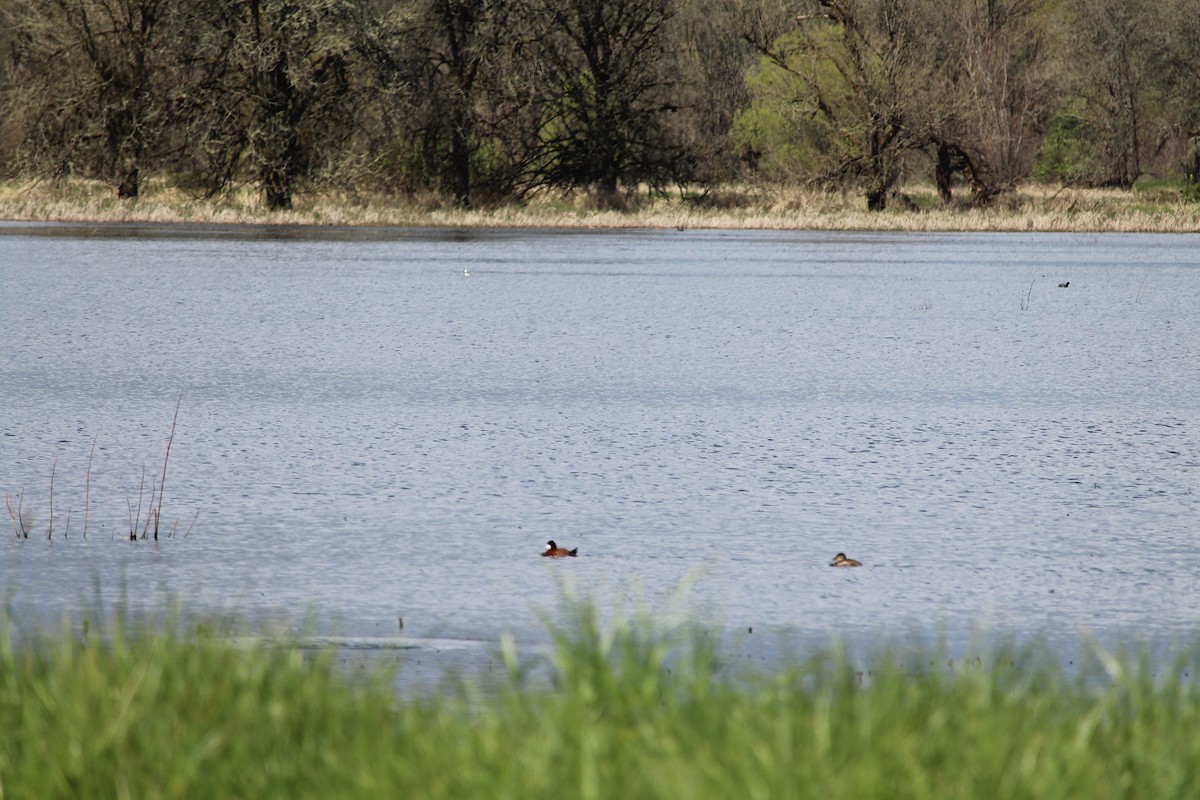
<point>777,135</point>
<point>852,71</point>
<point>405,166</point>
<point>789,130</point>
<point>634,712</point>
<point>155,714</point>
<point>499,98</point>
<point>1068,152</point>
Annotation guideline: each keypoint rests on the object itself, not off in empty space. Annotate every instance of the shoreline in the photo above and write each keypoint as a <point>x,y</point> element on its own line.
<point>1029,210</point>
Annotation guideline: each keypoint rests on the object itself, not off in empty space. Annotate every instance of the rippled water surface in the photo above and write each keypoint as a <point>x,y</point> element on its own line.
<point>390,424</point>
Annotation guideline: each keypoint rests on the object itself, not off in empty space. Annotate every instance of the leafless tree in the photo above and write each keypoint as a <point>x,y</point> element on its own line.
<point>1176,49</point>
<point>92,85</point>
<point>985,90</point>
<point>605,73</point>
<point>1107,43</point>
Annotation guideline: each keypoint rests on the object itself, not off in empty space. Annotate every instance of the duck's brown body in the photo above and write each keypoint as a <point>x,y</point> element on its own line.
<point>840,560</point>
<point>554,551</point>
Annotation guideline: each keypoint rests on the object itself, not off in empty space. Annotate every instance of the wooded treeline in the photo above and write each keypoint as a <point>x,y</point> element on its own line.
<point>478,101</point>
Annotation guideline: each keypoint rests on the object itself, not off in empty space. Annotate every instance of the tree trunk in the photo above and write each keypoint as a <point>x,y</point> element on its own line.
<point>943,172</point>
<point>877,198</point>
<point>128,187</point>
<point>277,188</point>
<point>460,167</point>
<point>1133,162</point>
<point>1191,170</point>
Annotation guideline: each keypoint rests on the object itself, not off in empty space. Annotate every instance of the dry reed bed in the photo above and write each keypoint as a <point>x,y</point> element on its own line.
<point>1034,208</point>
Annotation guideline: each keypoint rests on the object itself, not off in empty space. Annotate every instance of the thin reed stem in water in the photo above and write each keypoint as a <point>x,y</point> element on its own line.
<point>12,513</point>
<point>87,485</point>
<point>53,469</point>
<point>189,530</point>
<point>137,519</point>
<point>163,479</point>
<point>149,509</point>
<point>20,526</point>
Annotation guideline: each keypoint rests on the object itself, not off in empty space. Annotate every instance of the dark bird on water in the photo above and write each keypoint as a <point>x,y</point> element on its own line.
<point>840,560</point>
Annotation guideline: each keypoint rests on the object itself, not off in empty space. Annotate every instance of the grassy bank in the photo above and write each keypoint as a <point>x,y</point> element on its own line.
<point>153,714</point>
<point>1033,208</point>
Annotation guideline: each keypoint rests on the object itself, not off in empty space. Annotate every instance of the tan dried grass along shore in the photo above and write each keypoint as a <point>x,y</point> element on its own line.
<point>1031,208</point>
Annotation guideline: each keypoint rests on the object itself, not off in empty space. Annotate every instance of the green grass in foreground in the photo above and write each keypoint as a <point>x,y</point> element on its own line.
<point>155,714</point>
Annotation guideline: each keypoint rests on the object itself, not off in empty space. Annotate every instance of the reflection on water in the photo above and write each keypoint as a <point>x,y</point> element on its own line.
<point>391,423</point>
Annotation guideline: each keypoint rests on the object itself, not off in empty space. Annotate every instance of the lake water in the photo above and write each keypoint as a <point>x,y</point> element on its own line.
<point>390,424</point>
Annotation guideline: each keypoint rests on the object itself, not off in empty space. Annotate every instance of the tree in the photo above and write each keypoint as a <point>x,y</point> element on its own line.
<point>1177,71</point>
<point>709,61</point>
<point>1108,42</point>
<point>94,85</point>
<point>857,90</point>
<point>11,128</point>
<point>460,39</point>
<point>849,63</point>
<point>460,97</point>
<point>606,80</point>
<point>275,95</point>
<point>296,60</point>
<point>983,92</point>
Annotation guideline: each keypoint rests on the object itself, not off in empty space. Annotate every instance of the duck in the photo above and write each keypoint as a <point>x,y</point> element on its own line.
<point>554,551</point>
<point>840,560</point>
